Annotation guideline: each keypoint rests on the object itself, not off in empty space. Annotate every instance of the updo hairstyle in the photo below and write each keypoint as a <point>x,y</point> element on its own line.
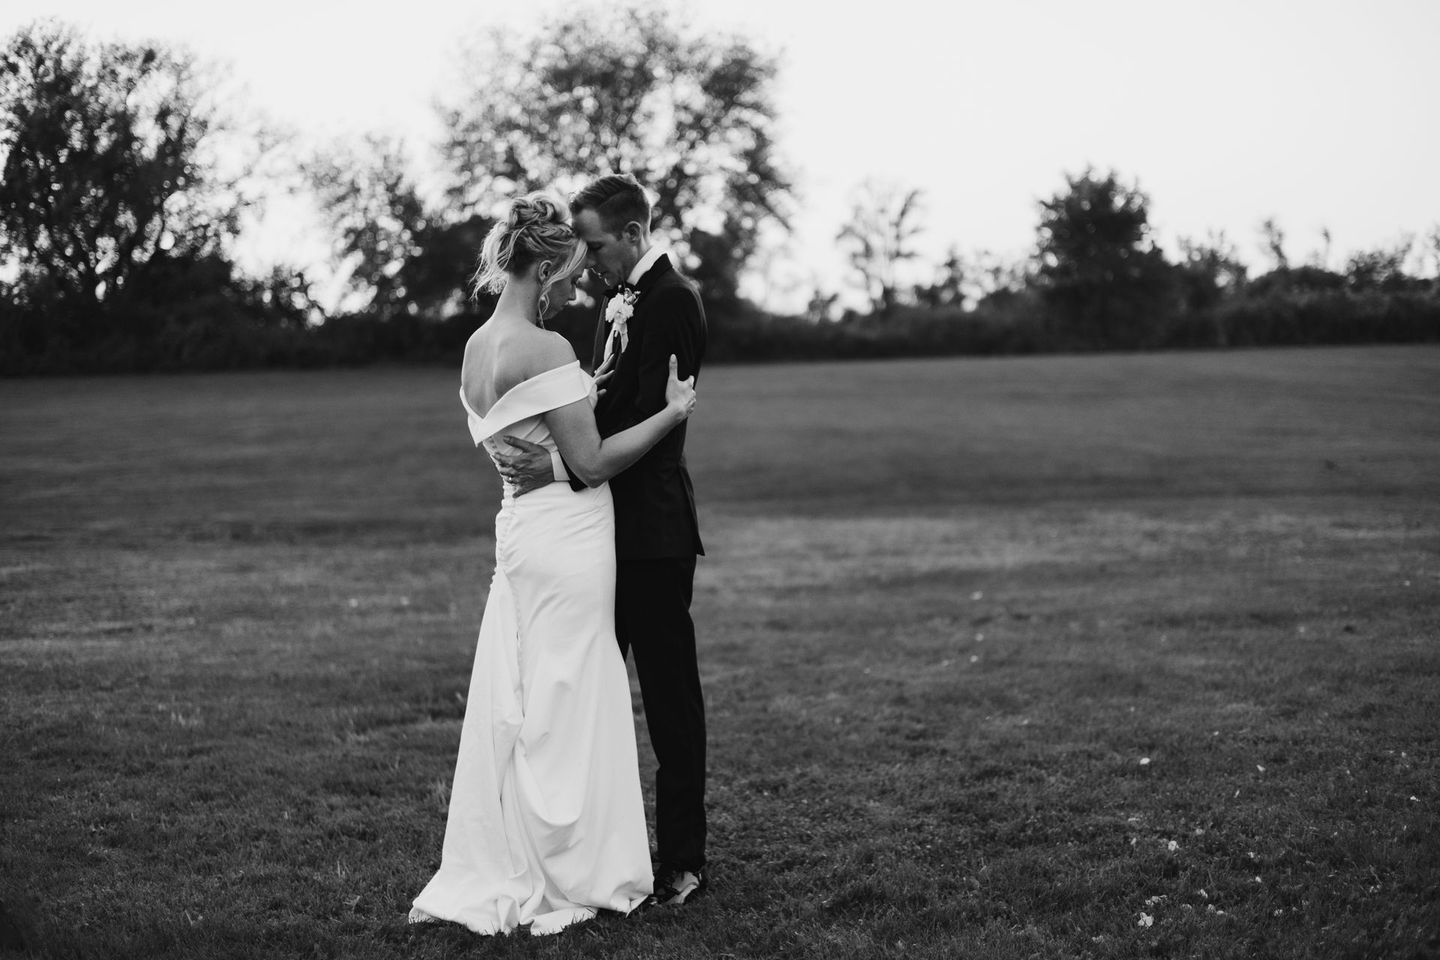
<point>535,228</point>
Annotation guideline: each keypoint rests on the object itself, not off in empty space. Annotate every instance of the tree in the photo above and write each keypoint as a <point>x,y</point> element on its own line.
<point>1382,268</point>
<point>998,278</point>
<point>948,287</point>
<point>1275,242</point>
<point>879,236</point>
<point>1429,257</point>
<point>1284,279</point>
<point>378,218</point>
<point>1099,270</point>
<point>820,308</point>
<point>103,172</point>
<point>1209,272</point>
<point>602,91</point>
<point>1321,258</point>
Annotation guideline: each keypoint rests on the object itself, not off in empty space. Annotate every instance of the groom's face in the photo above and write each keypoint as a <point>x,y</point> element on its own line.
<point>610,256</point>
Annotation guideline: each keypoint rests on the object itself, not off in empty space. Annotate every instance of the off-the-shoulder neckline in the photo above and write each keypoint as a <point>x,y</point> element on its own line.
<point>501,399</point>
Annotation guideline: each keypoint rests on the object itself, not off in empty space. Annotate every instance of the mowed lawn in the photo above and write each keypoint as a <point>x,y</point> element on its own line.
<point>1103,656</point>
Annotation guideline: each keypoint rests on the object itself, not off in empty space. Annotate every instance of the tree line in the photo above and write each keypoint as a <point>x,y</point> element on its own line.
<point>126,183</point>
<point>1098,280</point>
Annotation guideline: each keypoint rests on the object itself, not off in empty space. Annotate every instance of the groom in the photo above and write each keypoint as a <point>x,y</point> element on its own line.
<point>649,313</point>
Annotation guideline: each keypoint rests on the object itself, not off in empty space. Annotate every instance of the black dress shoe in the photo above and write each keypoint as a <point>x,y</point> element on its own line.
<point>675,887</point>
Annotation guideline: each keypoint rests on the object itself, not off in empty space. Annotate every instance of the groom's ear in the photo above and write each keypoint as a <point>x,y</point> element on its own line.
<point>632,232</point>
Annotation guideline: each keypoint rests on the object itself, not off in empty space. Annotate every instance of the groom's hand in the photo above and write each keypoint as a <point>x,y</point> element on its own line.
<point>528,470</point>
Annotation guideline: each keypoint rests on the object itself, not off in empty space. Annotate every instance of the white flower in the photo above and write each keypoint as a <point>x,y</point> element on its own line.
<point>1172,846</point>
<point>1144,761</point>
<point>618,313</point>
<point>1146,920</point>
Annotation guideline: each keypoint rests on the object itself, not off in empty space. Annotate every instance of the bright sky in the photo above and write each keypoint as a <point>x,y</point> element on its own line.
<point>1319,114</point>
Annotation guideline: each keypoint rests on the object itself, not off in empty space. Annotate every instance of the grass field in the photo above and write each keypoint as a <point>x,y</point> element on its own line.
<point>1110,656</point>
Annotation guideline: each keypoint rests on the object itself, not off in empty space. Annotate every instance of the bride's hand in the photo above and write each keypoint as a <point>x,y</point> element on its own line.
<point>604,372</point>
<point>680,394</point>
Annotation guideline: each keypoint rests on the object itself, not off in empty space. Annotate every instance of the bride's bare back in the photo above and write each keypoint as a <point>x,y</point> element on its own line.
<point>504,353</point>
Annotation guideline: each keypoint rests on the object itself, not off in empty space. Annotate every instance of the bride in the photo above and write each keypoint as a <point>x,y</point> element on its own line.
<point>546,823</point>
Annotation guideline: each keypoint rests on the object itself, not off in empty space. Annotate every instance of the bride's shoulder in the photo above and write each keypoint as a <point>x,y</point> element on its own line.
<point>547,351</point>
<point>473,358</point>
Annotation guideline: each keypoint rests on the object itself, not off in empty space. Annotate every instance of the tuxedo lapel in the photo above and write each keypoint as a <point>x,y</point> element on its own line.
<point>602,331</point>
<point>650,278</point>
<point>625,382</point>
<point>648,281</point>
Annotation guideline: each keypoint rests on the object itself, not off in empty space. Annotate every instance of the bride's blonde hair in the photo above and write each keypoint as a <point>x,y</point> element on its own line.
<point>535,228</point>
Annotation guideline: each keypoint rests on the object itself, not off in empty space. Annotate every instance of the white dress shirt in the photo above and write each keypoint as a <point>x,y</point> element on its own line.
<point>652,257</point>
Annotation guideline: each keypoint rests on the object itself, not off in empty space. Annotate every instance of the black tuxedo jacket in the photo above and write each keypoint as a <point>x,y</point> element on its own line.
<point>654,500</point>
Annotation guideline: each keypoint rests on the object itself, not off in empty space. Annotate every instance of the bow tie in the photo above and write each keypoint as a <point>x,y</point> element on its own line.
<point>618,289</point>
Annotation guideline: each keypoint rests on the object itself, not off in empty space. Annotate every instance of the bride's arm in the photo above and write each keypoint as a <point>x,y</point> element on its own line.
<point>594,460</point>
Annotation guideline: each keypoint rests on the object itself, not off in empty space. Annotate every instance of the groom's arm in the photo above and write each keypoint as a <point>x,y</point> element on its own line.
<point>533,467</point>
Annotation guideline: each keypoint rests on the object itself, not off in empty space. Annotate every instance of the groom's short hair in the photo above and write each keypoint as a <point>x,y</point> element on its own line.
<point>617,199</point>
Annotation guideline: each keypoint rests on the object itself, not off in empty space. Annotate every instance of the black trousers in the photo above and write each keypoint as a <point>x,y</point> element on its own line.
<point>652,620</point>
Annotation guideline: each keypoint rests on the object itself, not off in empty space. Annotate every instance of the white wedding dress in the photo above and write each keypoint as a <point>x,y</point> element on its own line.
<point>546,822</point>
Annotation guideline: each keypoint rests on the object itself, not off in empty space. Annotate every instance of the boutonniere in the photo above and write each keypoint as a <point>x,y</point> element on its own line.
<point>618,313</point>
